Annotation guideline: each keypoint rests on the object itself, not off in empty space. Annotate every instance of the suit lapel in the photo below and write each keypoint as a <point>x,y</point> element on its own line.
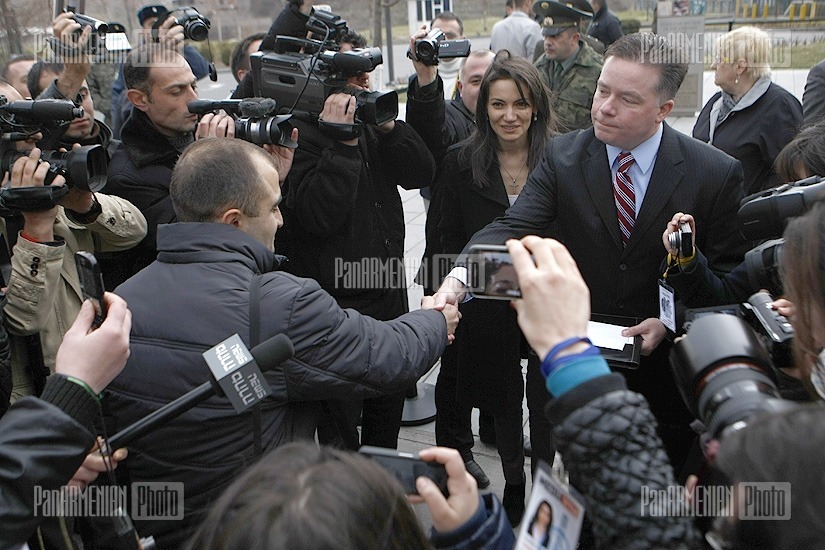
<point>596,171</point>
<point>666,177</point>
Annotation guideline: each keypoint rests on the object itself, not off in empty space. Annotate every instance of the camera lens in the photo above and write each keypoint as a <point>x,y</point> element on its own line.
<point>196,30</point>
<point>426,49</point>
<point>84,167</point>
<point>262,131</point>
<point>675,240</point>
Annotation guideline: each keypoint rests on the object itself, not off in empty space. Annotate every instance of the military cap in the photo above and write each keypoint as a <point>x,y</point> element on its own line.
<point>146,12</point>
<point>556,17</point>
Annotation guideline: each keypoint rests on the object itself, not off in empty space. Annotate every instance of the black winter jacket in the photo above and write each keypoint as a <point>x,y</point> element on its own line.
<point>342,212</point>
<point>196,295</point>
<point>42,443</point>
<point>140,171</point>
<point>607,438</point>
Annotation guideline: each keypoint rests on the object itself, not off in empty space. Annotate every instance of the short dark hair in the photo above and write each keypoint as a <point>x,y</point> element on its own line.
<point>240,55</point>
<point>136,68</point>
<point>305,497</point>
<point>653,49</point>
<point>449,16</point>
<point>806,149</point>
<point>351,37</point>
<point>213,175</point>
<point>14,59</point>
<point>37,70</point>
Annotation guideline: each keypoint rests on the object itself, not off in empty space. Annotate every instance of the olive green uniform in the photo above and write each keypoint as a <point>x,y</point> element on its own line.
<point>573,89</point>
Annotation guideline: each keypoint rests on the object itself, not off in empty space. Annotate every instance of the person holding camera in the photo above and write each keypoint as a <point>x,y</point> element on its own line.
<point>43,291</point>
<point>283,497</point>
<point>580,191</point>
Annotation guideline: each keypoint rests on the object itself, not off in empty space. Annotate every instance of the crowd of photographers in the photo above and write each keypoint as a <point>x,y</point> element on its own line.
<point>182,210</point>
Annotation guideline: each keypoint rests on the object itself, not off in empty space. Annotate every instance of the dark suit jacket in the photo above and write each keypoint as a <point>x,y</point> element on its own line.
<point>813,100</point>
<point>572,186</point>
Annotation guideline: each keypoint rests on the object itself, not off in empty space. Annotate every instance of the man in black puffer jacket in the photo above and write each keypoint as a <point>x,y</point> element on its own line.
<point>198,293</point>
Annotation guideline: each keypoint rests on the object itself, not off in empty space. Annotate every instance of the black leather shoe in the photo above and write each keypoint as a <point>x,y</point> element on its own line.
<point>528,447</point>
<point>513,502</point>
<point>475,470</point>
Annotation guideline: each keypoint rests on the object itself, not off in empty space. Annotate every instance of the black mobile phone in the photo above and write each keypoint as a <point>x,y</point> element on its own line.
<point>407,467</point>
<point>91,284</point>
<point>491,273</point>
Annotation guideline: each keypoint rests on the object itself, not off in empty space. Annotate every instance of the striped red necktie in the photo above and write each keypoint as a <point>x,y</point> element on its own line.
<point>625,196</point>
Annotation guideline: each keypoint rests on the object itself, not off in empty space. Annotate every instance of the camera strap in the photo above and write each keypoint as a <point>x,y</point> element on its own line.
<point>340,132</point>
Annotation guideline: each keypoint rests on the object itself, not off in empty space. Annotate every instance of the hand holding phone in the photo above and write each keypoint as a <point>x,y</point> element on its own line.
<point>407,467</point>
<point>491,273</point>
<point>91,284</point>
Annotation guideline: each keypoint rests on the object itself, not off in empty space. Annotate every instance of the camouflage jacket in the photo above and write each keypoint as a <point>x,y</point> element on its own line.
<point>573,96</point>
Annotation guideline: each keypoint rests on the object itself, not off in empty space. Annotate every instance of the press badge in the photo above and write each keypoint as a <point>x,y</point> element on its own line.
<point>667,307</point>
<point>554,514</point>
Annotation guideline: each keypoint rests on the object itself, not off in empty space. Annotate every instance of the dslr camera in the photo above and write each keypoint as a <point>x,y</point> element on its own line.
<point>195,25</point>
<point>723,370</point>
<point>84,168</point>
<point>434,46</point>
<point>253,119</point>
<point>302,81</point>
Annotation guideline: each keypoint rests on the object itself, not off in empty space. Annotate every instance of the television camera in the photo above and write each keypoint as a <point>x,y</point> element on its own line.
<point>254,120</point>
<point>304,79</point>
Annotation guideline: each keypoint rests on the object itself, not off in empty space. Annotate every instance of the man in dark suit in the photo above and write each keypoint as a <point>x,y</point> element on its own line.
<point>813,99</point>
<point>572,195</point>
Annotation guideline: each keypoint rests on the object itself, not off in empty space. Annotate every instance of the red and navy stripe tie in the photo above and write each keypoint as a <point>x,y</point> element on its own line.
<point>625,196</point>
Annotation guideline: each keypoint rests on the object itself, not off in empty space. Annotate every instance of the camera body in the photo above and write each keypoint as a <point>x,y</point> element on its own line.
<point>85,167</point>
<point>434,46</point>
<point>195,25</point>
<point>682,240</point>
<point>491,273</point>
<point>724,373</point>
<point>407,467</point>
<point>300,81</point>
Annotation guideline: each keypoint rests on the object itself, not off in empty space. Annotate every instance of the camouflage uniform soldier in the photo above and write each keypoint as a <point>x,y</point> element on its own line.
<point>569,65</point>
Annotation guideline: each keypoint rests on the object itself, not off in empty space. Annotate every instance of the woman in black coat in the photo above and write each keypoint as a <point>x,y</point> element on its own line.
<point>752,118</point>
<point>482,176</point>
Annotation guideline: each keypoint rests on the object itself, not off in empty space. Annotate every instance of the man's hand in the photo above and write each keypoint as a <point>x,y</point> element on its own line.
<point>452,291</point>
<point>171,34</point>
<point>453,512</point>
<point>450,312</point>
<point>282,156</point>
<point>219,125</point>
<point>652,332</point>
<point>673,226</point>
<point>555,302</point>
<point>96,356</point>
<point>340,108</point>
<point>426,73</point>
<point>94,464</point>
<point>29,171</point>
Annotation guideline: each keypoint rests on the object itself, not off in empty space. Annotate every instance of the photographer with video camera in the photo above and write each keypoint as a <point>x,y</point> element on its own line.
<point>603,430</point>
<point>43,234</point>
<point>71,41</point>
<point>341,200</point>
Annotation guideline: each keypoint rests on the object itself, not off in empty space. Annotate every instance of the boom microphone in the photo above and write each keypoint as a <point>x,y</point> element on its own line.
<point>268,354</point>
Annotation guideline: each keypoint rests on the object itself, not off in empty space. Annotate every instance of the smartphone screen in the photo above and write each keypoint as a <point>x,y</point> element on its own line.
<point>91,284</point>
<point>491,273</point>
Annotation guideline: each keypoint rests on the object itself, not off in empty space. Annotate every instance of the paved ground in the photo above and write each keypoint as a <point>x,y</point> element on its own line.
<point>417,437</point>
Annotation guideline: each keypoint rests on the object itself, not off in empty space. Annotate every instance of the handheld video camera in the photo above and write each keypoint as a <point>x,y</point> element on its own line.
<point>195,25</point>
<point>84,168</point>
<point>103,36</point>
<point>434,46</point>
<point>302,81</point>
<point>253,119</point>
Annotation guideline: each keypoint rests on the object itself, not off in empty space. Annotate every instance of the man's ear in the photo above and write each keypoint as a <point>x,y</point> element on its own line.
<point>664,110</point>
<point>138,98</point>
<point>232,217</point>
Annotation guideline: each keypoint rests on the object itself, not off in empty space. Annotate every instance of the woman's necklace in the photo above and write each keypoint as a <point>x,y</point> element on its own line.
<point>509,175</point>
